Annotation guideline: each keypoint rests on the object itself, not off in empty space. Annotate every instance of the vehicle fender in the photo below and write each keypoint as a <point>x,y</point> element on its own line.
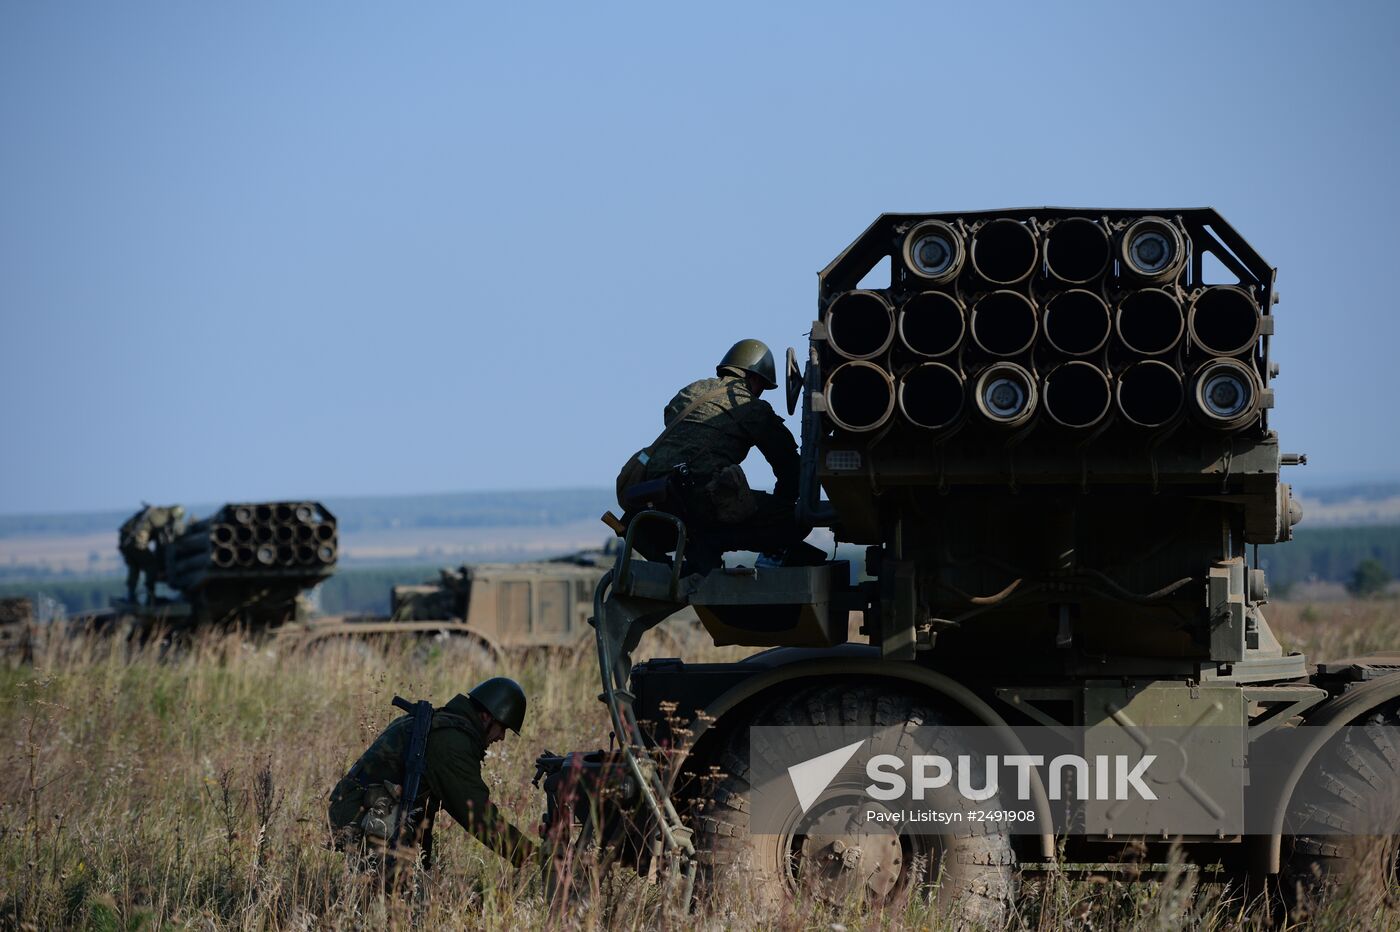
<point>782,668</point>
<point>306,635</point>
<point>1324,722</point>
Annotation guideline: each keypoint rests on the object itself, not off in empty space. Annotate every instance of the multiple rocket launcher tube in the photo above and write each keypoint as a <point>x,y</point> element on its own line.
<point>1134,341</point>
<point>258,538</point>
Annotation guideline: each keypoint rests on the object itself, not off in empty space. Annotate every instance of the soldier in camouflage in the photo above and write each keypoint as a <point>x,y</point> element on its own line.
<point>142,539</point>
<point>721,512</point>
<point>364,804</point>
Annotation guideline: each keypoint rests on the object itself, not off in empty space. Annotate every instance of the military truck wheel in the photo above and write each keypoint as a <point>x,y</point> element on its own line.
<point>831,853</point>
<point>1352,785</point>
<point>458,648</point>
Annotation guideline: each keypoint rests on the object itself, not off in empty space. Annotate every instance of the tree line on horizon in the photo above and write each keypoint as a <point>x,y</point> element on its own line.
<point>1319,554</point>
<point>544,508</point>
<point>538,508</point>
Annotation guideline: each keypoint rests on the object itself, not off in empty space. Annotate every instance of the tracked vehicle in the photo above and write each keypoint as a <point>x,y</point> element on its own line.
<point>1050,430</point>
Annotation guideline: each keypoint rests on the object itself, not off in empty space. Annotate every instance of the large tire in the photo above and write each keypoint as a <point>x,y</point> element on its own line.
<point>972,865</point>
<point>1352,785</point>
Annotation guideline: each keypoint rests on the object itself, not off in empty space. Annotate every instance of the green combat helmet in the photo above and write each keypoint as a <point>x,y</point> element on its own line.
<point>504,699</point>
<point>753,357</point>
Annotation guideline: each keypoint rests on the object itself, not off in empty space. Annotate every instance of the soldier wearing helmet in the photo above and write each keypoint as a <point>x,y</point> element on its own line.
<point>142,540</point>
<point>712,425</point>
<point>365,803</point>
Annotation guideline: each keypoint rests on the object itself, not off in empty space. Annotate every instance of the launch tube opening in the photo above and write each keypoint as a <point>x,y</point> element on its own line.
<point>1077,322</point>
<point>931,323</point>
<point>859,396</point>
<point>860,324</point>
<point>1149,321</point>
<point>1152,249</point>
<point>1005,394</point>
<point>934,250</point>
<point>1226,394</point>
<point>931,395</point>
<point>1077,395</point>
<point>1076,250</point>
<point>1149,393</point>
<point>1003,323</point>
<point>1224,321</point>
<point>1004,251</point>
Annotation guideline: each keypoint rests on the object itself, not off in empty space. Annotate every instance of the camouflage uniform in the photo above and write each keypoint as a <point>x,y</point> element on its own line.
<point>720,512</point>
<point>152,523</point>
<point>451,781</point>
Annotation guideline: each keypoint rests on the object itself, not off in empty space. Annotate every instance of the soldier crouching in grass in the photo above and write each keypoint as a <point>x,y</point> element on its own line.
<point>382,810</point>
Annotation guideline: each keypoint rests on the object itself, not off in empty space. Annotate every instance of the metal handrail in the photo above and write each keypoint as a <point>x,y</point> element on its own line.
<point>631,739</point>
<point>624,559</point>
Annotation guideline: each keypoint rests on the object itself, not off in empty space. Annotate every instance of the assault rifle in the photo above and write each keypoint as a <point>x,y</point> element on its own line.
<point>414,758</point>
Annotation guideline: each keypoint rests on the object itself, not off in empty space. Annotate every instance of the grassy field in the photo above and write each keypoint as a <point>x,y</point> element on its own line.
<point>146,792</point>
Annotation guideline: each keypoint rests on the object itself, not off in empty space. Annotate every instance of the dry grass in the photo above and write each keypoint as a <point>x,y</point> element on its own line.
<point>1333,630</point>
<point>144,790</point>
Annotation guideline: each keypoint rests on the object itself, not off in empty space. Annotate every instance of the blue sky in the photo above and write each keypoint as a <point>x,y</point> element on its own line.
<point>265,249</point>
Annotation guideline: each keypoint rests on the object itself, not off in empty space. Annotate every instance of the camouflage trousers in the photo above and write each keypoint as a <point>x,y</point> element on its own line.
<point>771,528</point>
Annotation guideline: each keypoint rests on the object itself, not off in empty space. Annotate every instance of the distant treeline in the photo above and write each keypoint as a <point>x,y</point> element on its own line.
<point>1331,495</point>
<point>78,595</point>
<point>1327,554</point>
<point>353,591</point>
<point>86,522</point>
<point>366,591</point>
<point>475,509</point>
<point>458,509</point>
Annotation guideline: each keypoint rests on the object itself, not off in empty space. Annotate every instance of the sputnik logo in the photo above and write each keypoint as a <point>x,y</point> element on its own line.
<point>811,777</point>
